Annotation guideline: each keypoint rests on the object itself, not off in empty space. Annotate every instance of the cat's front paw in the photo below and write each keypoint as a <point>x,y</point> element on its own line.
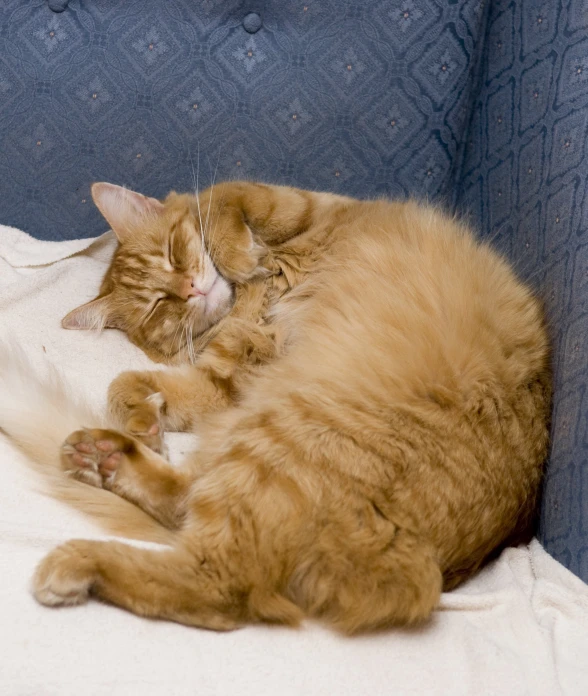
<point>144,423</point>
<point>137,407</point>
<point>65,576</point>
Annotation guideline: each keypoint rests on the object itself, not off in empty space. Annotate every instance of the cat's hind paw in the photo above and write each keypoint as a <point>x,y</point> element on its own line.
<point>65,576</point>
<point>93,456</point>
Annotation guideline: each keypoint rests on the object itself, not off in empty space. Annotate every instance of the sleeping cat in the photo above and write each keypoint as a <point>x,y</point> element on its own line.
<point>371,389</point>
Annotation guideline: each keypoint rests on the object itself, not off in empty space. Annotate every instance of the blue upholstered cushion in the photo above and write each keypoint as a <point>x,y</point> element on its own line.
<point>524,176</point>
<point>482,104</point>
<point>365,97</point>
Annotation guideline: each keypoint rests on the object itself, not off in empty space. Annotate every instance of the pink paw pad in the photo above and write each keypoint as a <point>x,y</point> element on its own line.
<point>110,464</point>
<point>82,461</point>
<point>105,445</point>
<point>85,447</point>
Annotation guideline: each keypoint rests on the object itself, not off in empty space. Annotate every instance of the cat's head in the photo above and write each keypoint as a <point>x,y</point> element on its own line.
<point>167,283</point>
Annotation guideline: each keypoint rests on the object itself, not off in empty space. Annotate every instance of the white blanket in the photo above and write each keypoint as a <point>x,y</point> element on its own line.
<point>519,627</point>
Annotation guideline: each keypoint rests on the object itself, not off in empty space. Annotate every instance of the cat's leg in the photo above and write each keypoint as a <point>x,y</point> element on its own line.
<point>108,459</point>
<point>168,584</point>
<point>144,404</point>
<point>211,587</point>
<point>386,580</point>
<point>237,213</point>
<point>275,213</point>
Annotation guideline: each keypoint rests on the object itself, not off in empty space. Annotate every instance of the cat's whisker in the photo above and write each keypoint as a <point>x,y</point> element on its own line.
<point>207,216</point>
<point>193,173</point>
<point>189,336</point>
<point>175,335</point>
<point>185,337</point>
<point>212,183</point>
<point>197,193</point>
<point>212,242</point>
<point>186,330</point>
<point>212,246</point>
<point>188,343</point>
<point>202,226</point>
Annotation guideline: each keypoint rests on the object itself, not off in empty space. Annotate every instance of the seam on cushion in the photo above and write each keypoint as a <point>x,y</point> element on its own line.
<point>476,91</point>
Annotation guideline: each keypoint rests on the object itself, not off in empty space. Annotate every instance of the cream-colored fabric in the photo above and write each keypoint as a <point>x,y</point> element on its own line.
<point>519,627</point>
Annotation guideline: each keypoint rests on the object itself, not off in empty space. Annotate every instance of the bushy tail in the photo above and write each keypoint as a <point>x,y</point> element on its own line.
<point>37,416</point>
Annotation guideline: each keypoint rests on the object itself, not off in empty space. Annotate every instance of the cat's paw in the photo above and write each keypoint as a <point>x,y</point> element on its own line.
<point>144,423</point>
<point>137,406</point>
<point>94,456</point>
<point>65,576</point>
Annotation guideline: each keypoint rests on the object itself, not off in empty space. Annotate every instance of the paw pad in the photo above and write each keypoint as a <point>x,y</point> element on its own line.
<point>93,456</point>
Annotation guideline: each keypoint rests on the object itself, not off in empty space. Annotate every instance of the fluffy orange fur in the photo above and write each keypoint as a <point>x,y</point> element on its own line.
<point>371,388</point>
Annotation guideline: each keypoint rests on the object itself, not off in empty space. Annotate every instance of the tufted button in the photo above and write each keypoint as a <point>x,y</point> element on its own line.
<point>58,5</point>
<point>252,22</point>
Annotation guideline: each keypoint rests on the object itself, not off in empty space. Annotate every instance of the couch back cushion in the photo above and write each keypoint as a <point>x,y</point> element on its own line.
<point>366,98</point>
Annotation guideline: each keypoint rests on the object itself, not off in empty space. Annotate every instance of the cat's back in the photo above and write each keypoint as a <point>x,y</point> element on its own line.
<point>421,347</point>
<point>412,296</point>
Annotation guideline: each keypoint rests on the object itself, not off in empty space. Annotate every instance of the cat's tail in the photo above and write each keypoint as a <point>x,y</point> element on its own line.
<point>37,415</point>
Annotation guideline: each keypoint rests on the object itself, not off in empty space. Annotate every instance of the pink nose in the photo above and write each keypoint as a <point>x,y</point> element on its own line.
<point>188,289</point>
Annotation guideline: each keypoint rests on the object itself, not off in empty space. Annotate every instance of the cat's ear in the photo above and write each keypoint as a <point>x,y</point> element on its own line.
<point>124,210</point>
<point>92,315</point>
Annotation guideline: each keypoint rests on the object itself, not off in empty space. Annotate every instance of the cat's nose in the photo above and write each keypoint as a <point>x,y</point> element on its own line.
<point>189,288</point>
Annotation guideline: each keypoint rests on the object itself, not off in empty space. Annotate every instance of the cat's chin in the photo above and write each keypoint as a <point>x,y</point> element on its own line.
<point>208,311</point>
<point>218,298</point>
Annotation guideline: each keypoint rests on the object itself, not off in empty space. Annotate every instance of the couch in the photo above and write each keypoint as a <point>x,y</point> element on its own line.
<point>479,104</point>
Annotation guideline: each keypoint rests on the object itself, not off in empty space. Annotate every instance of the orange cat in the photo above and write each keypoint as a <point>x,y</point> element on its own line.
<point>370,385</point>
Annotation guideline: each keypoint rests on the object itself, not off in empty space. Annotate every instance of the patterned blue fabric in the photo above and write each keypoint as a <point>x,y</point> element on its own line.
<point>524,177</point>
<point>361,97</point>
<point>481,104</point>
